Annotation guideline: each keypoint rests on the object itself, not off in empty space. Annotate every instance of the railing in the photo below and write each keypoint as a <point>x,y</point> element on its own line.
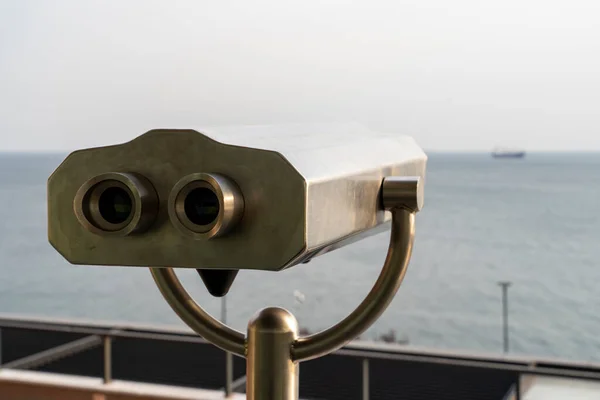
<point>505,370</point>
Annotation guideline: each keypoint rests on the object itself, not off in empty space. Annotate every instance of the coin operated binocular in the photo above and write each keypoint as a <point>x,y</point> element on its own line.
<point>226,199</point>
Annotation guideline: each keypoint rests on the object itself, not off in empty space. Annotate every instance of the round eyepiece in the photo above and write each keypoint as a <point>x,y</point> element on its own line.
<point>201,206</point>
<point>205,205</point>
<point>116,204</point>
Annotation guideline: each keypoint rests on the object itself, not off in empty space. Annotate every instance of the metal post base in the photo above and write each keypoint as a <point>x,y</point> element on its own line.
<point>271,372</point>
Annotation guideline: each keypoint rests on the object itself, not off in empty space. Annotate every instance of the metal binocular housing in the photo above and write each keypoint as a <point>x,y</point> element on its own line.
<point>258,197</point>
<point>225,199</point>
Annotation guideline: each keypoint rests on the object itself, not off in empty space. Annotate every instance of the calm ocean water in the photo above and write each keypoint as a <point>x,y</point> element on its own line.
<point>535,222</point>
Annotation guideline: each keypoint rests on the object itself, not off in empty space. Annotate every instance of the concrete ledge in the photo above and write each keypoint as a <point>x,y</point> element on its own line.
<point>28,385</point>
<point>550,388</point>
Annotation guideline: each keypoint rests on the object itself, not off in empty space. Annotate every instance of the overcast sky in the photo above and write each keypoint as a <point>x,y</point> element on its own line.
<point>456,75</point>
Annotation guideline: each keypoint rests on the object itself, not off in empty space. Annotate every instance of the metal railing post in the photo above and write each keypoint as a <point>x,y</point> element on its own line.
<point>228,355</point>
<point>365,379</point>
<point>107,340</point>
<point>228,374</point>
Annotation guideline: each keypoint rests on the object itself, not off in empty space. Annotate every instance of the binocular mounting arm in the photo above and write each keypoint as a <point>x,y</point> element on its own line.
<point>272,347</point>
<point>402,197</point>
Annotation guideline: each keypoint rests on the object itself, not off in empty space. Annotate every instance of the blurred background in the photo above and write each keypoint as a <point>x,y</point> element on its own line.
<point>461,77</point>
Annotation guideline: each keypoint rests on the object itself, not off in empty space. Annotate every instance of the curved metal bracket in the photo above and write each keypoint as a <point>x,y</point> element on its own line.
<point>402,196</point>
<point>194,316</point>
<point>377,300</point>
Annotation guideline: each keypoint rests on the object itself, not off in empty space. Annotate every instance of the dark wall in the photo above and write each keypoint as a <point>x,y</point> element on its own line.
<point>202,365</point>
<point>166,362</point>
<point>18,343</point>
<point>416,380</point>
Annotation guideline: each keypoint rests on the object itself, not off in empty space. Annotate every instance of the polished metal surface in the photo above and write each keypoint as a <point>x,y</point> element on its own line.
<point>141,193</point>
<point>380,296</point>
<point>231,205</point>
<point>218,281</point>
<point>406,190</point>
<point>272,347</point>
<point>343,166</point>
<point>306,189</point>
<point>316,345</point>
<point>268,198</point>
<point>270,371</point>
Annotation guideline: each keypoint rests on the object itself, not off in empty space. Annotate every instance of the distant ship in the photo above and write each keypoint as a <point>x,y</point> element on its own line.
<point>506,153</point>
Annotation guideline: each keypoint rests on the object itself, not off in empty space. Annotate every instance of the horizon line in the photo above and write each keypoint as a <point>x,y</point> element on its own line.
<point>460,151</point>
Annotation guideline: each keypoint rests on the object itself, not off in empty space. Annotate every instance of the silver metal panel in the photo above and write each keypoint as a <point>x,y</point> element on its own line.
<point>343,165</point>
<point>323,151</point>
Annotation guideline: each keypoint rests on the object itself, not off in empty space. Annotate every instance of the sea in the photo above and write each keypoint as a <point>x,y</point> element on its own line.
<point>534,222</point>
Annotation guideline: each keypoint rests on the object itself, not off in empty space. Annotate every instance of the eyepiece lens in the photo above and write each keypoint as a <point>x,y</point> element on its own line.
<point>115,205</point>
<point>201,206</point>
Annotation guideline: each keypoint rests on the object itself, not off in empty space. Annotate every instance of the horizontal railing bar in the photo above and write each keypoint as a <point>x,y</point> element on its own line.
<point>521,368</point>
<point>124,333</point>
<point>101,324</point>
<point>161,336</point>
<point>53,327</point>
<point>238,383</point>
<point>55,353</point>
<point>435,360</point>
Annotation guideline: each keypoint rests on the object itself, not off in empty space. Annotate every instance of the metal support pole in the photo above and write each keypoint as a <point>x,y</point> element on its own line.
<point>107,359</point>
<point>365,379</point>
<point>271,372</point>
<point>505,285</point>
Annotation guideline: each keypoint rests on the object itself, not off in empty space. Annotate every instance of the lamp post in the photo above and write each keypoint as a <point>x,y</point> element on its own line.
<point>505,285</point>
<point>228,355</point>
